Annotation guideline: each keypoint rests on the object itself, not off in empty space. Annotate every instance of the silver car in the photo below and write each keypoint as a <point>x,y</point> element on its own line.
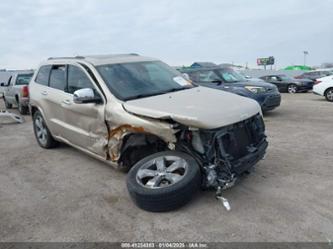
<point>139,114</point>
<point>16,90</point>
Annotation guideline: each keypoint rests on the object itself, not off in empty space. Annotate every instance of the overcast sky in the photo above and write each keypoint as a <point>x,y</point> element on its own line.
<point>176,31</point>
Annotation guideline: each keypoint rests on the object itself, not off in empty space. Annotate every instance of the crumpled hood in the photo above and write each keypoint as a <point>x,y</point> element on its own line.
<point>199,107</point>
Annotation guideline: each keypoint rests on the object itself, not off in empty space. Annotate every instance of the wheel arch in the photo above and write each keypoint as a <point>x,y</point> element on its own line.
<point>325,92</point>
<point>33,109</point>
<point>329,88</point>
<point>139,140</point>
<point>292,84</point>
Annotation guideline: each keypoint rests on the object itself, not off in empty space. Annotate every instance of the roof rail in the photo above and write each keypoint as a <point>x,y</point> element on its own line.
<point>110,55</point>
<point>74,57</point>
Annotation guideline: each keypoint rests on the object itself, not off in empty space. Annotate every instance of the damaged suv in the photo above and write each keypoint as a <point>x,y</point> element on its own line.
<point>139,114</point>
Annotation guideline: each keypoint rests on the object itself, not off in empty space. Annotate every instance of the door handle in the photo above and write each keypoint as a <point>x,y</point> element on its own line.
<point>44,93</point>
<point>67,102</point>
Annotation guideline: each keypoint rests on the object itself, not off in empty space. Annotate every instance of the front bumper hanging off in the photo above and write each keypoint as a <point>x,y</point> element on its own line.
<point>230,151</point>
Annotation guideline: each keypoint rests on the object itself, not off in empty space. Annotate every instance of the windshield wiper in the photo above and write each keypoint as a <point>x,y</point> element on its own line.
<point>175,89</point>
<point>217,81</point>
<point>144,95</point>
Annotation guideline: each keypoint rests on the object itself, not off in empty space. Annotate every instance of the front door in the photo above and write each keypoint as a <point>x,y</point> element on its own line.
<point>9,91</point>
<point>276,81</point>
<point>84,124</point>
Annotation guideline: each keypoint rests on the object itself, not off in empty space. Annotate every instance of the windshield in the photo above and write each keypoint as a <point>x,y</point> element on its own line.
<point>229,75</point>
<point>142,79</point>
<point>23,79</point>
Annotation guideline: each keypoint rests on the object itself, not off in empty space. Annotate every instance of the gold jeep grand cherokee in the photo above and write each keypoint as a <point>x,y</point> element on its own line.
<point>139,114</point>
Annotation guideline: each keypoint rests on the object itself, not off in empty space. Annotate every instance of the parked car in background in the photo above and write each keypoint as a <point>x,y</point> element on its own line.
<point>313,75</point>
<point>288,84</point>
<point>4,76</point>
<point>227,79</point>
<point>137,112</point>
<point>324,87</point>
<point>16,91</point>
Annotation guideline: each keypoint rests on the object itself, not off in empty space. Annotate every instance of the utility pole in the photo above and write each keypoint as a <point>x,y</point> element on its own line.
<point>305,54</point>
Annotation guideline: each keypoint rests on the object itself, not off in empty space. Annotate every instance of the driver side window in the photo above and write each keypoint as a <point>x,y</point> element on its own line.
<point>77,79</point>
<point>204,76</point>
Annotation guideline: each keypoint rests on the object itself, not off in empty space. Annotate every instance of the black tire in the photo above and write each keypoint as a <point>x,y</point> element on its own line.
<point>292,88</point>
<point>169,197</point>
<point>328,94</point>
<point>7,105</point>
<point>24,110</point>
<point>49,141</point>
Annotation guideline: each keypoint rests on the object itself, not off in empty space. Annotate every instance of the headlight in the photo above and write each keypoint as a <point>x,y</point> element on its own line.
<point>256,89</point>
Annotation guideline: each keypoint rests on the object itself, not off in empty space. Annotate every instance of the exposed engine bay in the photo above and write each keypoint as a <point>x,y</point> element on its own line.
<point>226,153</point>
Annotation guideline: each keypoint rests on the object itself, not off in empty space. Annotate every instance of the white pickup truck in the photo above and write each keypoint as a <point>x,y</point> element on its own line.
<point>16,91</point>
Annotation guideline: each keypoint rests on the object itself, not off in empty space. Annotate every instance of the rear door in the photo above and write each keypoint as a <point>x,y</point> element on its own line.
<point>53,97</point>
<point>38,90</point>
<point>83,124</point>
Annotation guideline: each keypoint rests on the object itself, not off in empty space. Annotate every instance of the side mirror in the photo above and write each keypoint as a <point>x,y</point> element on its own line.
<point>186,76</point>
<point>86,95</point>
<point>2,84</point>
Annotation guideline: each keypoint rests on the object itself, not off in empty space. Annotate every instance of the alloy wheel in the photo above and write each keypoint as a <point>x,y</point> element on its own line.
<point>41,130</point>
<point>162,172</point>
<point>292,89</point>
<point>329,95</point>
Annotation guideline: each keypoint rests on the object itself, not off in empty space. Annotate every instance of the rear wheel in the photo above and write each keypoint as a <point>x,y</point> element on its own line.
<point>42,133</point>
<point>292,88</point>
<point>8,106</point>
<point>24,110</point>
<point>329,94</point>
<point>164,181</point>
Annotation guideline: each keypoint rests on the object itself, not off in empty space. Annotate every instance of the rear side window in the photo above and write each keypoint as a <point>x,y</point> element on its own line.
<point>58,77</point>
<point>43,75</point>
<point>77,79</point>
<point>23,79</point>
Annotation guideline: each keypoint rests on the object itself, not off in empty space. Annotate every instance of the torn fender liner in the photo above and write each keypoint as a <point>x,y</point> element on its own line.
<point>116,136</point>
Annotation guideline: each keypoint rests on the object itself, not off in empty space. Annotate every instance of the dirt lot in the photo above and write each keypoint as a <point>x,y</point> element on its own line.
<point>64,195</point>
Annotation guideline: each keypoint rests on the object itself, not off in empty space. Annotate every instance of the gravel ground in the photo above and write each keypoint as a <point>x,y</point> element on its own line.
<point>64,195</point>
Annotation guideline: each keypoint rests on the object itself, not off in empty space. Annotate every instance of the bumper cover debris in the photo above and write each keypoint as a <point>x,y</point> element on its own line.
<point>11,116</point>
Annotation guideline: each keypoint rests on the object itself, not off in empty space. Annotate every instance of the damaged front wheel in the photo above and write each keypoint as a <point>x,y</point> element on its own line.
<point>164,181</point>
